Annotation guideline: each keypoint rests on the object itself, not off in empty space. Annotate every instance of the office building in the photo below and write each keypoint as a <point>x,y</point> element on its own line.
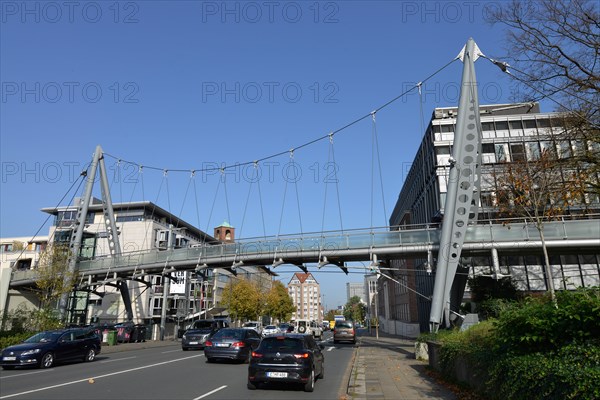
<point>510,132</point>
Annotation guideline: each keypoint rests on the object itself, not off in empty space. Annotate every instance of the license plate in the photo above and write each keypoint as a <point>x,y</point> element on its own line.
<point>277,374</point>
<point>193,342</point>
<point>9,358</point>
<point>221,344</point>
<point>344,333</point>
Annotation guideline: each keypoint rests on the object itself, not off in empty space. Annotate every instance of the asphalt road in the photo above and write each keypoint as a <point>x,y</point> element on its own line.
<point>166,373</point>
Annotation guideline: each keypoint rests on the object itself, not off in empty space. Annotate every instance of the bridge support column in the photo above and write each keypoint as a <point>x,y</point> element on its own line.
<point>461,205</point>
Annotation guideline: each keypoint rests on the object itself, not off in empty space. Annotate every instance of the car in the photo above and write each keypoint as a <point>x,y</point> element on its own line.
<point>285,327</point>
<point>45,349</point>
<point>289,358</point>
<point>232,344</point>
<point>270,330</point>
<point>343,331</point>
<point>257,326</point>
<point>195,337</point>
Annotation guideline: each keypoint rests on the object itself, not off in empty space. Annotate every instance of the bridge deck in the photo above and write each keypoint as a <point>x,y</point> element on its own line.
<point>340,247</point>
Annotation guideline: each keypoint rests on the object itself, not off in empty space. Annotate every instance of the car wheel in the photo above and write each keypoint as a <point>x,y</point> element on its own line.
<point>310,385</point>
<point>335,342</point>
<point>90,355</point>
<point>322,374</point>
<point>251,386</point>
<point>184,349</point>
<point>210,360</point>
<point>47,360</point>
<point>8,367</point>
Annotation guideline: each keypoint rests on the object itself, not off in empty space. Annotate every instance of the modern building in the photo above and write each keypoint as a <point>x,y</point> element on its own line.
<point>305,292</point>
<point>510,132</point>
<point>17,254</point>
<point>370,286</point>
<point>356,289</point>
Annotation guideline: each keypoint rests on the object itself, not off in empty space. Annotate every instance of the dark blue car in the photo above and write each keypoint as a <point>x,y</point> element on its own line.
<point>45,349</point>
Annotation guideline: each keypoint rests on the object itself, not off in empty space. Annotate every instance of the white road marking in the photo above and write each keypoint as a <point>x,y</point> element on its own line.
<point>330,348</point>
<point>211,392</point>
<point>116,359</point>
<point>27,373</point>
<point>95,377</point>
<point>170,351</point>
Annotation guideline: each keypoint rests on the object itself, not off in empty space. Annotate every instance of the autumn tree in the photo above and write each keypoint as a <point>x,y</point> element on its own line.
<point>52,276</point>
<point>537,190</point>
<point>243,299</point>
<point>553,50</point>
<point>279,304</point>
<point>355,309</point>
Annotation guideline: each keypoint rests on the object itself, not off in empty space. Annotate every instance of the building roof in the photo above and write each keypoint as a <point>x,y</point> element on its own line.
<point>302,277</point>
<point>96,206</point>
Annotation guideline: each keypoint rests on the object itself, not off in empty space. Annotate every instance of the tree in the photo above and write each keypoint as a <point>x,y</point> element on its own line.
<point>243,299</point>
<point>53,278</point>
<point>330,315</point>
<point>553,48</point>
<point>355,310</point>
<point>279,304</point>
<point>537,190</point>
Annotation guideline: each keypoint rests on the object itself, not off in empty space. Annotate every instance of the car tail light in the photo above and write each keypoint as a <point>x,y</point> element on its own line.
<point>303,355</point>
<point>256,355</point>
<point>208,343</point>
<point>238,344</point>
<point>352,331</point>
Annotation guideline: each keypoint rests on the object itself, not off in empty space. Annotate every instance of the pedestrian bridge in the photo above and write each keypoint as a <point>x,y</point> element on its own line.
<point>336,248</point>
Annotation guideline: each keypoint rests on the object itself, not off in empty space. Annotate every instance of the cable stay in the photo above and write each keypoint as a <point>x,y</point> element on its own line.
<point>376,156</point>
<point>292,163</point>
<point>255,177</point>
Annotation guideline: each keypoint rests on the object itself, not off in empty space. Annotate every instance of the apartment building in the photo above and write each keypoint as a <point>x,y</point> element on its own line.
<point>305,292</point>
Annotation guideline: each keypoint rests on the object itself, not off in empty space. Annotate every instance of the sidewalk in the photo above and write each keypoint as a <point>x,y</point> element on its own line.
<point>386,368</point>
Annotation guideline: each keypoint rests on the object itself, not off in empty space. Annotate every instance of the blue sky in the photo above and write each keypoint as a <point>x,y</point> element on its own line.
<point>193,84</point>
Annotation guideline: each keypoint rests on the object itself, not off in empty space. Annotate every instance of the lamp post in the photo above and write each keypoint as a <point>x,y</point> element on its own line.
<point>376,308</point>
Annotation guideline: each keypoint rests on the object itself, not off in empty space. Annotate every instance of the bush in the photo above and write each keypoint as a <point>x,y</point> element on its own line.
<point>535,325</point>
<point>9,338</point>
<point>573,372</point>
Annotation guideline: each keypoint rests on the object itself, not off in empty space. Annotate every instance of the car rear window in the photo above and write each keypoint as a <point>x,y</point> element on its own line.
<point>343,324</point>
<point>229,334</point>
<point>281,344</point>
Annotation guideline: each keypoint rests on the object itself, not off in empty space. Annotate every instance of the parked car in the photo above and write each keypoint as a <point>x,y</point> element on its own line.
<point>45,349</point>
<point>270,330</point>
<point>344,331</point>
<point>195,337</point>
<point>286,328</point>
<point>291,357</point>
<point>231,343</point>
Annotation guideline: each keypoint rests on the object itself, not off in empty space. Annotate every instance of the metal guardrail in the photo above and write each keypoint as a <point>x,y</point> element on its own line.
<point>359,244</point>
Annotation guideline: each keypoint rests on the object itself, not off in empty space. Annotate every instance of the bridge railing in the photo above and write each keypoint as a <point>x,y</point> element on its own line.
<point>517,234</point>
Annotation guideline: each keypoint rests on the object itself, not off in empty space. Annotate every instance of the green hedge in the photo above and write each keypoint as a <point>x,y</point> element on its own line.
<point>533,350</point>
<point>8,338</point>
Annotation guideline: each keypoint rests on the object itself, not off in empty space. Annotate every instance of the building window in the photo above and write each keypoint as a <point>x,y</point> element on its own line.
<point>517,152</point>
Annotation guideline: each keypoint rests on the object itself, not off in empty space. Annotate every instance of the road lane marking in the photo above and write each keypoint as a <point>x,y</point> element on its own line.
<point>28,373</point>
<point>116,359</point>
<point>170,351</point>
<point>211,392</point>
<point>95,377</point>
<point>330,348</point>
